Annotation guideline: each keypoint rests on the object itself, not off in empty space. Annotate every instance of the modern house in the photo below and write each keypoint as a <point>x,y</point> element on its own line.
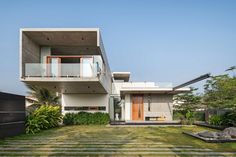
<point>73,62</point>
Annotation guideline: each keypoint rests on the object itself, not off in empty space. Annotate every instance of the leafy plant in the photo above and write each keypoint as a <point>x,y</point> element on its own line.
<point>85,118</point>
<point>220,92</point>
<point>190,117</point>
<point>216,120</point>
<point>45,117</point>
<point>187,102</point>
<point>229,119</point>
<point>43,95</point>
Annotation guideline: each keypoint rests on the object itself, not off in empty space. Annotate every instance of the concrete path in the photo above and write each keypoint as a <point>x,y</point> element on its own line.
<point>56,147</point>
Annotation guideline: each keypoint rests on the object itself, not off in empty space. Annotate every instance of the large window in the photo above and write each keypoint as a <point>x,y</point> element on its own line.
<point>85,108</point>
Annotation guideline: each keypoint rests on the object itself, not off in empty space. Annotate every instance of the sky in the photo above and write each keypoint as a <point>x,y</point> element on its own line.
<point>156,40</point>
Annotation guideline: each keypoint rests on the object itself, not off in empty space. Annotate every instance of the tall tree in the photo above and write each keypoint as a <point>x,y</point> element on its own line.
<point>220,92</point>
<point>187,102</point>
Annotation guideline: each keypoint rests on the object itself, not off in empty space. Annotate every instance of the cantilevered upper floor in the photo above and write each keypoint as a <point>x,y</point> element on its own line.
<point>69,60</point>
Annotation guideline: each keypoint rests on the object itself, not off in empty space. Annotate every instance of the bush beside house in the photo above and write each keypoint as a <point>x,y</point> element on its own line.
<point>227,119</point>
<point>44,117</point>
<point>85,118</point>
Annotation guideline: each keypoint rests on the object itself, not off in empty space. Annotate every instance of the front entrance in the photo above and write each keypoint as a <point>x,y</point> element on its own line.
<point>137,107</point>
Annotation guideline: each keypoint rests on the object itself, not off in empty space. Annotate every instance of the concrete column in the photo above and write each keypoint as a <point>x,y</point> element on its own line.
<point>127,107</point>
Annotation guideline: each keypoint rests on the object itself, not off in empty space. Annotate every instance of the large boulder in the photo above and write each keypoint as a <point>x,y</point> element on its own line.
<point>208,134</point>
<point>230,131</point>
<point>223,136</point>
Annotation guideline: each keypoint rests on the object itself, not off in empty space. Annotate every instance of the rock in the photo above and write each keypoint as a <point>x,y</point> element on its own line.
<point>230,131</point>
<point>208,134</point>
<point>223,136</point>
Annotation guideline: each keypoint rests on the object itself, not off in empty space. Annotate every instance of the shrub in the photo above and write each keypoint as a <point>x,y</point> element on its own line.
<point>45,117</point>
<point>197,115</point>
<point>85,118</point>
<point>229,119</point>
<point>216,120</point>
<point>189,117</point>
<point>185,118</point>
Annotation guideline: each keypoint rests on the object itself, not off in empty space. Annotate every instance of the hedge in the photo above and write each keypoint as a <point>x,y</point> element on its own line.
<point>197,115</point>
<point>85,118</point>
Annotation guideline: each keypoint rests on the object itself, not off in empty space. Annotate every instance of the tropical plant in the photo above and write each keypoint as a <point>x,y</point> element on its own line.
<point>43,95</point>
<point>216,120</point>
<point>189,117</point>
<point>45,117</point>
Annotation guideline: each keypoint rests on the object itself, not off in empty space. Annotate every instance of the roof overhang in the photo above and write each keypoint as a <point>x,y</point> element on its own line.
<point>121,76</point>
<point>153,90</point>
<point>63,36</point>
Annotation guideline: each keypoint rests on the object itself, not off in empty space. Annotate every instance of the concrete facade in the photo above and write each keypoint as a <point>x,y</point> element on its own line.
<point>55,58</point>
<point>160,105</point>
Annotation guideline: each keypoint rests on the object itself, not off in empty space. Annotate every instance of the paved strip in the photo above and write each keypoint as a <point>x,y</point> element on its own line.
<point>63,140</point>
<point>121,153</point>
<point>109,149</point>
<point>95,146</point>
<point>85,143</point>
<point>78,139</point>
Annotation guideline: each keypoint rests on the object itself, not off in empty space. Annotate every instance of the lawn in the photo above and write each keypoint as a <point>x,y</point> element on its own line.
<point>102,140</point>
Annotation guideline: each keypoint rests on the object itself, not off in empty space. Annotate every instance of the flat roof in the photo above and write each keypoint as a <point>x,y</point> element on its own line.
<point>121,76</point>
<point>152,90</point>
<point>59,29</point>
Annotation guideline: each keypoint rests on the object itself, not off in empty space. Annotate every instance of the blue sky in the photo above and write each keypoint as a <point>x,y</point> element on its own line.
<point>157,40</point>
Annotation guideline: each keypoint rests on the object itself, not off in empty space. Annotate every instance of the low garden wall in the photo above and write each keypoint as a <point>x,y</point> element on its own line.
<point>12,115</point>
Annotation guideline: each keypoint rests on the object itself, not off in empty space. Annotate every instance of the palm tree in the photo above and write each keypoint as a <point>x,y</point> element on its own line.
<point>43,95</point>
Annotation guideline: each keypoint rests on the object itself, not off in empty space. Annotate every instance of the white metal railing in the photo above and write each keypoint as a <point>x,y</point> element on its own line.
<point>62,70</point>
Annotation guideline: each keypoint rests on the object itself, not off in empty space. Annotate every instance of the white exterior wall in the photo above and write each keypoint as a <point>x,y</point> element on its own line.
<point>85,100</point>
<point>127,107</point>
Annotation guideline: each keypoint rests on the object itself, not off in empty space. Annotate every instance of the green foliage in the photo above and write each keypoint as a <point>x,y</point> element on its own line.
<point>186,118</point>
<point>220,92</point>
<point>189,117</point>
<point>216,120</point>
<point>45,117</point>
<point>197,115</point>
<point>85,118</point>
<point>229,119</point>
<point>187,101</point>
<point>43,95</point>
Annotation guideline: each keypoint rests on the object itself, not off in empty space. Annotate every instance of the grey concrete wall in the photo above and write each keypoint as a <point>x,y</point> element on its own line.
<point>160,105</point>
<point>30,52</point>
<point>107,76</point>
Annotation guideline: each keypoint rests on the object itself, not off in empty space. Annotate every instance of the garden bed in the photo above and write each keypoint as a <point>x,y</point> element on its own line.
<point>209,140</point>
<point>209,125</point>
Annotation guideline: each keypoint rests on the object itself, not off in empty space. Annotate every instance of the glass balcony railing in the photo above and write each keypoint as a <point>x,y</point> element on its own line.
<point>62,70</point>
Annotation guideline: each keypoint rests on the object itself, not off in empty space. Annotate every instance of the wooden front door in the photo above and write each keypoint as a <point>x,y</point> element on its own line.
<point>137,107</point>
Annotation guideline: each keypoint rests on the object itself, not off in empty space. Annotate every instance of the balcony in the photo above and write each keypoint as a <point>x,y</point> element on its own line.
<point>67,77</point>
<point>66,70</point>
